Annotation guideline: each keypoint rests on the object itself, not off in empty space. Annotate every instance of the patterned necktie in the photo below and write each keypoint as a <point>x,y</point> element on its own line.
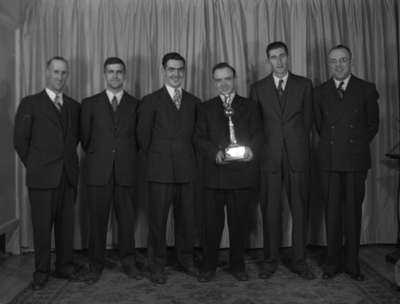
<point>340,89</point>
<point>114,103</point>
<point>58,102</point>
<point>177,98</point>
<point>227,101</point>
<point>280,88</point>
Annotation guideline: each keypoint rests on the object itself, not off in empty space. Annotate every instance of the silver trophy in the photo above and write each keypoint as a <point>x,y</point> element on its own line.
<point>234,151</point>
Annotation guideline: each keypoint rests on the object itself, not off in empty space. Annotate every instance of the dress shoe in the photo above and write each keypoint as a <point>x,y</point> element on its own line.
<point>191,271</point>
<point>89,276</point>
<point>305,273</point>
<point>328,275</point>
<point>158,278</point>
<point>266,272</point>
<point>132,272</point>
<point>39,282</point>
<point>72,276</point>
<point>240,275</point>
<point>356,276</point>
<point>206,276</point>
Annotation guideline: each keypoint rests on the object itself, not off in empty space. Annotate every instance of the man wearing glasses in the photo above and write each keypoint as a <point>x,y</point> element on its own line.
<point>347,118</point>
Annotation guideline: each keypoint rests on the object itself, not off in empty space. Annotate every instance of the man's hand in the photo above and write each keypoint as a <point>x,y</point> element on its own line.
<point>219,158</point>
<point>248,154</point>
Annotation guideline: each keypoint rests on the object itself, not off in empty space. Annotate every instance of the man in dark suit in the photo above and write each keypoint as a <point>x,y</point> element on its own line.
<point>229,183</point>
<point>46,136</point>
<point>108,136</point>
<point>165,129</point>
<point>347,118</point>
<point>286,107</point>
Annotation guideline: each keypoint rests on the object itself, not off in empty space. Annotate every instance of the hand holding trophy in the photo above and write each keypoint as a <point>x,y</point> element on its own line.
<point>234,151</point>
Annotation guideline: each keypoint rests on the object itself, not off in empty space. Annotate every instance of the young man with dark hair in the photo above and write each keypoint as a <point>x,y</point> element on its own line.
<point>46,135</point>
<point>347,120</point>
<point>285,100</point>
<point>227,183</point>
<point>108,136</point>
<point>165,130</point>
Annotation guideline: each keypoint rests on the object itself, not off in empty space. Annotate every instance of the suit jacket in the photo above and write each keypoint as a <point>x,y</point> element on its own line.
<point>286,123</point>
<point>166,137</point>
<point>346,127</point>
<point>46,140</point>
<point>109,139</point>
<point>212,135</point>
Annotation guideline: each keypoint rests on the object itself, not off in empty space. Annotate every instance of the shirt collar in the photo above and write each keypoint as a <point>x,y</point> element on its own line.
<point>284,78</point>
<point>345,82</point>
<point>52,95</point>
<point>171,90</point>
<point>111,95</point>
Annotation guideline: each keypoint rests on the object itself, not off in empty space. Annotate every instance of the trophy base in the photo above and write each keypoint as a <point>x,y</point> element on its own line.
<point>234,153</point>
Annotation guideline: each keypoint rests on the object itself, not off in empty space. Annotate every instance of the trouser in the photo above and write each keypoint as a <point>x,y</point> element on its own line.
<point>161,197</point>
<point>237,202</point>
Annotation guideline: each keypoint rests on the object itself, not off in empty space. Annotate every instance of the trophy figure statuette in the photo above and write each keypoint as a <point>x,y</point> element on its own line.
<point>234,151</point>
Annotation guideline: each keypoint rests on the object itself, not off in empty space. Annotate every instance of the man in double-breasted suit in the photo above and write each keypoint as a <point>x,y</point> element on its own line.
<point>46,136</point>
<point>108,136</point>
<point>165,130</point>
<point>285,100</point>
<point>347,118</point>
<point>229,183</point>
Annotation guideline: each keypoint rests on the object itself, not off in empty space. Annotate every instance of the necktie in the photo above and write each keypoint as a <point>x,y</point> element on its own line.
<point>114,103</point>
<point>340,89</point>
<point>280,88</point>
<point>57,102</point>
<point>177,98</point>
<point>227,101</point>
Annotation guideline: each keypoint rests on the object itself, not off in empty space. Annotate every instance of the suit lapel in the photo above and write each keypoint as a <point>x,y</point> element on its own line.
<point>289,95</point>
<point>106,108</point>
<point>50,110</point>
<point>269,91</point>
<point>123,110</point>
<point>335,104</point>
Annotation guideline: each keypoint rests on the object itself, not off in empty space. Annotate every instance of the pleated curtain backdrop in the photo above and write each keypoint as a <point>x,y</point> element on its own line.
<point>206,32</point>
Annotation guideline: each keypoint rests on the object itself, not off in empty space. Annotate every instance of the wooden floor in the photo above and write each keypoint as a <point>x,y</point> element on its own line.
<point>16,271</point>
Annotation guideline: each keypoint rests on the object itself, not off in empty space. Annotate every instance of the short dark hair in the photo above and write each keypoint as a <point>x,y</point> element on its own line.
<point>223,65</point>
<point>341,46</point>
<point>277,45</point>
<point>114,60</point>
<point>172,56</point>
<point>56,58</point>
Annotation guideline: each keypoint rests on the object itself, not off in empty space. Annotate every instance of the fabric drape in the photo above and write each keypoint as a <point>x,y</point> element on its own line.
<point>206,32</point>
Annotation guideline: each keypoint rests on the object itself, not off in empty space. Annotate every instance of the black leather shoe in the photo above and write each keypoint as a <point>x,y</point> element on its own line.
<point>39,283</point>
<point>89,277</point>
<point>158,278</point>
<point>132,272</point>
<point>240,275</point>
<point>206,276</point>
<point>191,271</point>
<point>305,273</point>
<point>328,275</point>
<point>356,276</point>
<point>266,273</point>
<point>71,275</point>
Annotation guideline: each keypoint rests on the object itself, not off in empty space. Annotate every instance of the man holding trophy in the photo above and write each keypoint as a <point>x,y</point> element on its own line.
<point>228,135</point>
